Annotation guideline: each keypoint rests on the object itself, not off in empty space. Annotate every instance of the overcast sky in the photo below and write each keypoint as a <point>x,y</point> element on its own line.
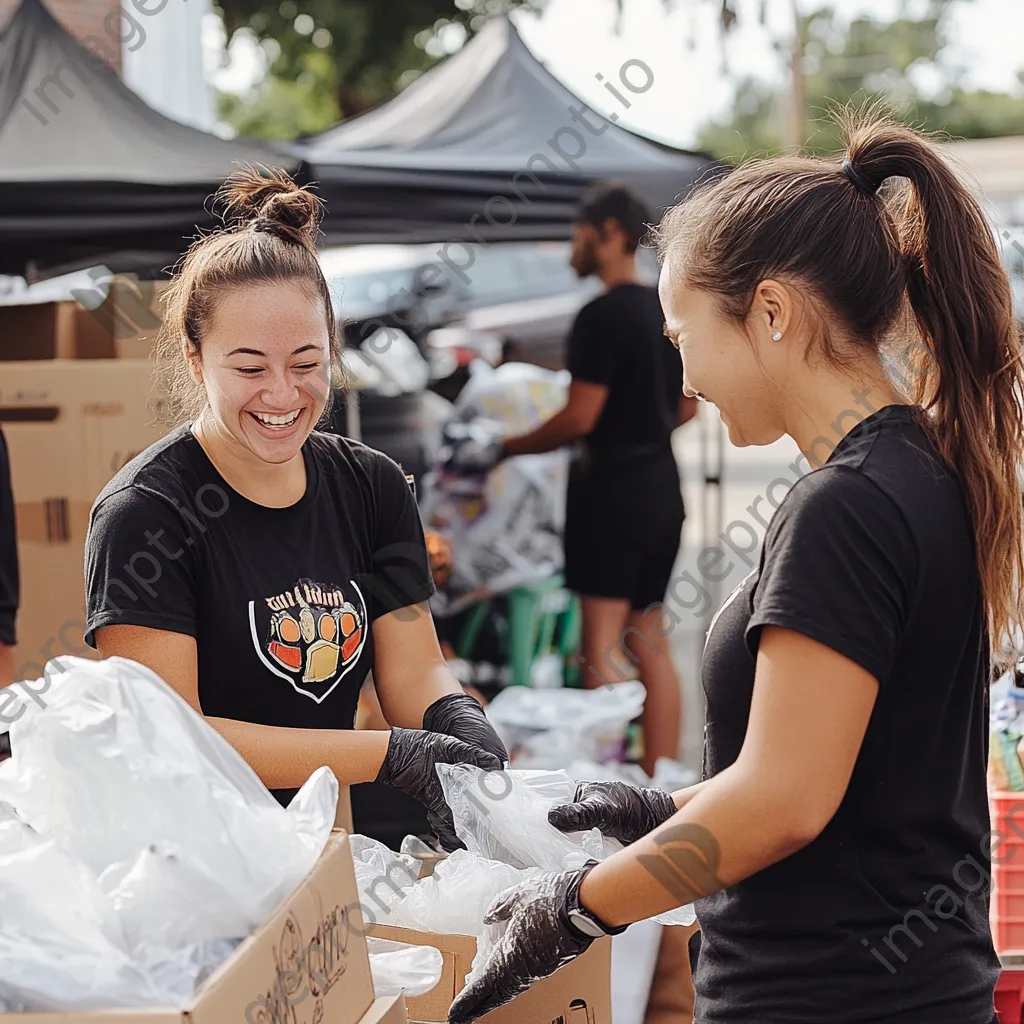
<point>577,41</point>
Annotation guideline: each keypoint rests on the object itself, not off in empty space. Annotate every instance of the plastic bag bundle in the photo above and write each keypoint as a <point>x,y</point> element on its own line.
<point>549,729</point>
<point>145,848</point>
<point>519,396</point>
<point>506,530</point>
<point>398,967</point>
<point>455,897</point>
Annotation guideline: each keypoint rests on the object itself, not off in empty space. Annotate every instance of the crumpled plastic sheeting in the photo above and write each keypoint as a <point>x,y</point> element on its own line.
<point>163,846</point>
<point>454,899</point>
<point>504,817</point>
<point>549,729</point>
<point>398,967</point>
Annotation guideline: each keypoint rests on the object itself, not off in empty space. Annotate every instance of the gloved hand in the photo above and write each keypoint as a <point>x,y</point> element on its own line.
<point>409,766</point>
<point>459,715</point>
<point>5,746</point>
<point>538,941</point>
<point>619,810</point>
<point>473,448</point>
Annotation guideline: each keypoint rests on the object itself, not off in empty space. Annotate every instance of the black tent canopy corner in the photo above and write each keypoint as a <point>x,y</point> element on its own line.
<point>483,146</point>
<point>87,169</point>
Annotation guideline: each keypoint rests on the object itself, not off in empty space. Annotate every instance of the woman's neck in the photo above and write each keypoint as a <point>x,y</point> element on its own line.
<point>821,413</point>
<point>274,486</point>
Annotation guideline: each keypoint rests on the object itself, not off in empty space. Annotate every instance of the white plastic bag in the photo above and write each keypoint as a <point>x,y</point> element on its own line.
<point>61,946</point>
<point>564,725</point>
<point>144,848</point>
<point>398,967</point>
<point>118,764</point>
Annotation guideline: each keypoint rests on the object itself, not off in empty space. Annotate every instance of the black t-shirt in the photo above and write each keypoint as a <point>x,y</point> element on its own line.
<point>8,552</point>
<point>280,600</point>
<point>873,556</point>
<point>618,340</point>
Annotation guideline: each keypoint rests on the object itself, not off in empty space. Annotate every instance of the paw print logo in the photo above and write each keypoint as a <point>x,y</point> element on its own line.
<point>318,640</point>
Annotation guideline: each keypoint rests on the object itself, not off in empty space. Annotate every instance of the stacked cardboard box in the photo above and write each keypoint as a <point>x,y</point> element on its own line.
<point>307,964</point>
<point>76,403</point>
<point>70,424</point>
<point>120,320</point>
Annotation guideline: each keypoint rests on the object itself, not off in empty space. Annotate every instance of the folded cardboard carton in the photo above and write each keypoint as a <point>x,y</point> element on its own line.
<point>70,426</point>
<point>307,964</point>
<point>579,993</point>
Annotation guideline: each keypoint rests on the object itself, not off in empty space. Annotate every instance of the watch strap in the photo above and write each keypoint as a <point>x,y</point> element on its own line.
<point>572,903</point>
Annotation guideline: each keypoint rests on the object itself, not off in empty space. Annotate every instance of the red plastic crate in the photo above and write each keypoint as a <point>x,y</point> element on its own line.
<point>1010,995</point>
<point>1007,903</point>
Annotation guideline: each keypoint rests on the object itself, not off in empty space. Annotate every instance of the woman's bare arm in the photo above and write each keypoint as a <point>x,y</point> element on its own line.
<point>283,758</point>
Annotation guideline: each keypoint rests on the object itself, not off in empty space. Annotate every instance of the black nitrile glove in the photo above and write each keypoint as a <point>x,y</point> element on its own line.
<point>459,715</point>
<point>538,941</point>
<point>473,448</point>
<point>5,745</point>
<point>409,766</point>
<point>619,810</point>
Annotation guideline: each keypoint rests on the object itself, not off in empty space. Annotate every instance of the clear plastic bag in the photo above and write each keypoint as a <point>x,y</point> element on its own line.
<point>454,898</point>
<point>383,878</point>
<point>398,967</point>
<point>504,817</point>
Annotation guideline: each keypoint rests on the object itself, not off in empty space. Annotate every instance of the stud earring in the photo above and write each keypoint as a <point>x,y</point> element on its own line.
<point>777,336</point>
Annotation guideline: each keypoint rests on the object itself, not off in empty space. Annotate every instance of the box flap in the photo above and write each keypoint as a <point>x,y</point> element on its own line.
<point>388,1010</point>
<point>307,963</point>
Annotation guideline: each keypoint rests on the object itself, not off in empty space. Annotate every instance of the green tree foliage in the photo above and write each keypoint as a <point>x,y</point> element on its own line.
<point>859,61</point>
<point>334,58</point>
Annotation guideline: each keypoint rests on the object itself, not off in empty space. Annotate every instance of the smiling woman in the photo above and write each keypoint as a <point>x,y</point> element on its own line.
<point>307,566</point>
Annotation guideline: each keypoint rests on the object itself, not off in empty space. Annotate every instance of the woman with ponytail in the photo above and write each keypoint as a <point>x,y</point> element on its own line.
<point>838,848</point>
<point>261,567</point>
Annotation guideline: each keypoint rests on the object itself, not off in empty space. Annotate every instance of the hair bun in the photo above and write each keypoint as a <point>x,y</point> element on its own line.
<point>268,199</point>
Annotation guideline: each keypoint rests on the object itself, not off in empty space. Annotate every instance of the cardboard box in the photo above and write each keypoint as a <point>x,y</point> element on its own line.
<point>70,426</point>
<point>52,330</point>
<point>308,963</point>
<point>579,993</point>
<point>132,315</point>
<point>389,1010</point>
<point>122,325</point>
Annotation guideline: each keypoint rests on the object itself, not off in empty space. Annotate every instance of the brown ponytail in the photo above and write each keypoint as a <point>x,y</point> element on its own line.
<point>269,236</point>
<point>869,252</point>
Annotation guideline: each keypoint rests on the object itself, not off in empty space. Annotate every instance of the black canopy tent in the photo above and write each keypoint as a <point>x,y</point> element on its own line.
<point>88,171</point>
<point>489,146</point>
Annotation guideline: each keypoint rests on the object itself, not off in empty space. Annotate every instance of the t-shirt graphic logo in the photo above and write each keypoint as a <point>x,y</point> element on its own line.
<point>315,634</point>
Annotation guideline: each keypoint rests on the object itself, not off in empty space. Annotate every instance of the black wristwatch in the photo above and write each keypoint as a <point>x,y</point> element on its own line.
<point>581,920</point>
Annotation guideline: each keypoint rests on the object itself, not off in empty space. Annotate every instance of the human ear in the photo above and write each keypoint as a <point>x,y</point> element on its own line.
<point>193,360</point>
<point>771,311</point>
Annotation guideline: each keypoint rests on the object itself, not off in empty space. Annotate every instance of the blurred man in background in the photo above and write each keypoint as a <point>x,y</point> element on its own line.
<point>624,513</point>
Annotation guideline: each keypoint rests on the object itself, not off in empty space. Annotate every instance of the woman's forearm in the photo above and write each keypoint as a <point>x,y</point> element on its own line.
<point>683,796</point>
<point>285,758</point>
<point>729,827</point>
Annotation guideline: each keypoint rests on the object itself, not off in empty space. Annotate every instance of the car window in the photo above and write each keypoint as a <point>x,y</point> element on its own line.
<point>362,295</point>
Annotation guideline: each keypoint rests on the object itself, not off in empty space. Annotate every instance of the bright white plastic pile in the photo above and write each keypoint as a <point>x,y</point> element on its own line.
<point>137,847</point>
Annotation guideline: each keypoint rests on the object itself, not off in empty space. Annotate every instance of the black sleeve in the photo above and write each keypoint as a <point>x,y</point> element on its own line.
<point>140,566</point>
<point>595,347</point>
<point>401,567</point>
<point>840,567</point>
<point>9,582</point>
